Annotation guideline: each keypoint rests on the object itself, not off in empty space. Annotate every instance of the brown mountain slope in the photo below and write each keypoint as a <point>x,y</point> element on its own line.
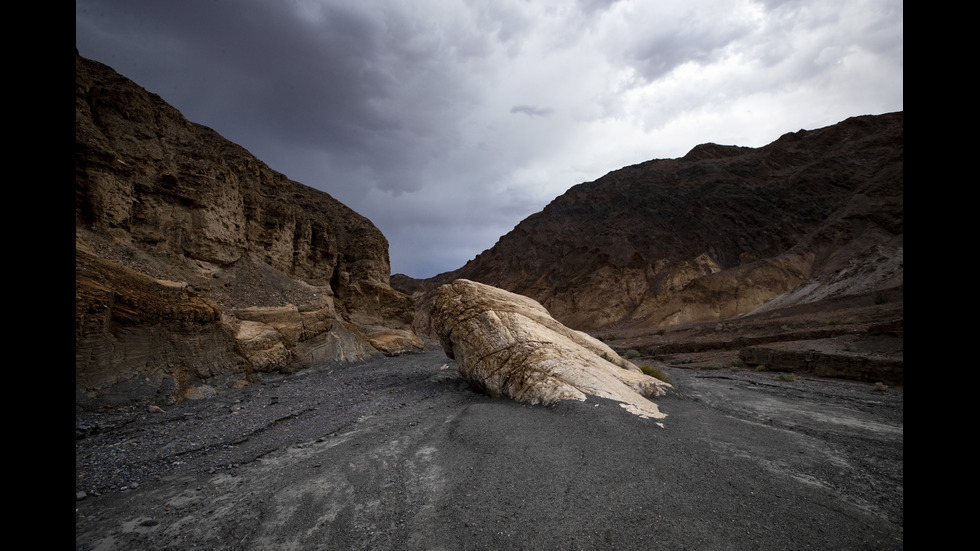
<point>722,232</point>
<point>196,265</point>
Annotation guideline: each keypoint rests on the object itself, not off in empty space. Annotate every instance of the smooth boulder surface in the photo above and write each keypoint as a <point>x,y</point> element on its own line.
<point>509,345</point>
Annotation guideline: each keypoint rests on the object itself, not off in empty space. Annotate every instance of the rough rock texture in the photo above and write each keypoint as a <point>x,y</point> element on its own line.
<point>198,266</point>
<point>858,338</point>
<point>508,345</point>
<point>812,362</point>
<point>721,232</point>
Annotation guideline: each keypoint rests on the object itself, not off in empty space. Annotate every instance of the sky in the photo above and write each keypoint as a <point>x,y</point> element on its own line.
<point>447,122</point>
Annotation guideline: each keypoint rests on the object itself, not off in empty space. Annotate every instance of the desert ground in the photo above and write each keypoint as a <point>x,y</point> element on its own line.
<point>399,453</point>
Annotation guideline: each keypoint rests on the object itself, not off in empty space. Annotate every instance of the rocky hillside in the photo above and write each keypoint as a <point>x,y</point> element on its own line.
<point>197,266</point>
<point>719,233</point>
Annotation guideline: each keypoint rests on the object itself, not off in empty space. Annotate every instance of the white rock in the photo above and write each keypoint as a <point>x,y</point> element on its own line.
<point>509,345</point>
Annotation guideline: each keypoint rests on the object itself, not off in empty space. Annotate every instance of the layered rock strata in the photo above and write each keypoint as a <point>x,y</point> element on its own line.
<point>198,266</point>
<point>857,367</point>
<point>509,345</point>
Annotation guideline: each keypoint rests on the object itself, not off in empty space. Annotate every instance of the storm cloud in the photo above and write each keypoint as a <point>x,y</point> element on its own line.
<point>447,123</point>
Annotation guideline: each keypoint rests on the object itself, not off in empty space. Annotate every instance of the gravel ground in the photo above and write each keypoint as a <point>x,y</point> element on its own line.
<point>400,454</point>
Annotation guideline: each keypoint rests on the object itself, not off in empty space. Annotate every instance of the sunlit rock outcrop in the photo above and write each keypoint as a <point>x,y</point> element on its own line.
<point>508,345</point>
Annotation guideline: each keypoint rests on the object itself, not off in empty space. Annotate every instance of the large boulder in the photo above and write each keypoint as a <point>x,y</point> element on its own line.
<point>509,345</point>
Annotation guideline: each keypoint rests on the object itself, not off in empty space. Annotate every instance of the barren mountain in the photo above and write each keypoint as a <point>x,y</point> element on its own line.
<point>199,271</point>
<point>807,222</point>
<point>196,265</point>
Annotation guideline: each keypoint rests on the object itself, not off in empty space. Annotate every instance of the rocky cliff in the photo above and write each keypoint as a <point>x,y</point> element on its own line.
<point>197,266</point>
<point>720,232</point>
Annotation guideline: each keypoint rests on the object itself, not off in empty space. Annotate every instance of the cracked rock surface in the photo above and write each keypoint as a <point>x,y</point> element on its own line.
<point>509,345</point>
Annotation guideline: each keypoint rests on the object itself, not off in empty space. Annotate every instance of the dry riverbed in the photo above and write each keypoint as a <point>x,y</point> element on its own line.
<point>400,454</point>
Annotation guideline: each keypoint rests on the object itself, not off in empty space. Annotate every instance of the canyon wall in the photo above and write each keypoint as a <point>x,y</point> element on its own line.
<point>197,266</point>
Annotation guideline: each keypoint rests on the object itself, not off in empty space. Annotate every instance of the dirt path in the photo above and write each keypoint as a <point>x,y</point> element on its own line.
<point>400,454</point>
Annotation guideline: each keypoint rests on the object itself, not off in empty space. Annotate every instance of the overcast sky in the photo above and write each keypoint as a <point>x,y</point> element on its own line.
<point>447,122</point>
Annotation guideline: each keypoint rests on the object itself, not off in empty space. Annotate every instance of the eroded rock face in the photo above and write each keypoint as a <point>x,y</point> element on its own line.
<point>198,266</point>
<point>508,345</point>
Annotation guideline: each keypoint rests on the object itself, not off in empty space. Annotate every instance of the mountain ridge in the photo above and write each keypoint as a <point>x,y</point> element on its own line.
<point>716,234</point>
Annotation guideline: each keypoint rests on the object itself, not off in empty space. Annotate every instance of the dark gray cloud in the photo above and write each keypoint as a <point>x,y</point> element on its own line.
<point>447,123</point>
<point>256,69</point>
<point>694,35</point>
<point>592,8</point>
<point>531,110</point>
